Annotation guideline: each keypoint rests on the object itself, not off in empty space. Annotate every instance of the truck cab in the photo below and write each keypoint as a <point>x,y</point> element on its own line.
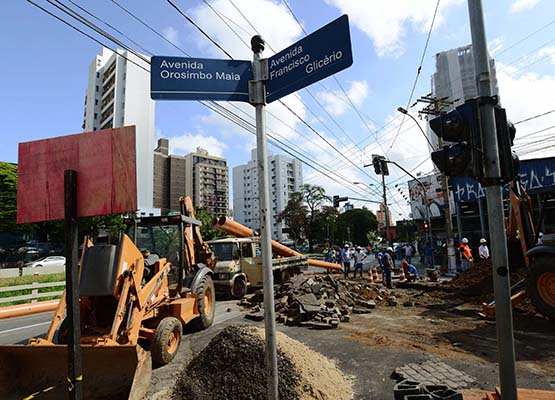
<point>237,265</point>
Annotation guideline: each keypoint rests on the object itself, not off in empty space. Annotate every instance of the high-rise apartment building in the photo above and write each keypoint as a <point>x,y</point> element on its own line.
<point>285,176</point>
<point>169,178</point>
<point>118,94</point>
<point>455,78</point>
<point>207,181</point>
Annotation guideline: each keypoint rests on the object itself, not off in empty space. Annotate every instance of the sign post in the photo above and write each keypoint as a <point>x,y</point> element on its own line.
<point>315,57</point>
<point>258,100</point>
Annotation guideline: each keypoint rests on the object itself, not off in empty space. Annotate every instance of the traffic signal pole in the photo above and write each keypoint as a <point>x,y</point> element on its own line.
<point>501,283</point>
<point>258,99</point>
<point>386,211</point>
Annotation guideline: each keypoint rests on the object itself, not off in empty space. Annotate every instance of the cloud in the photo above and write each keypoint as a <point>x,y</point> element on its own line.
<point>524,96</point>
<point>547,51</point>
<point>188,143</point>
<point>522,5</point>
<point>387,22</point>
<point>171,34</point>
<point>336,103</point>
<point>495,45</point>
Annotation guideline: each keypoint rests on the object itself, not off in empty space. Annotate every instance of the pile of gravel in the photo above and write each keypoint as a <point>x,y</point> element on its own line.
<point>232,366</point>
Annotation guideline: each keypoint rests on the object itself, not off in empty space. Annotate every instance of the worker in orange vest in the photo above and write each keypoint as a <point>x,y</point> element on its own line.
<point>466,255</point>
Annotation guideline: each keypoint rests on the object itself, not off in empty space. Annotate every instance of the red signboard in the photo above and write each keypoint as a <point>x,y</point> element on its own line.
<point>105,165</point>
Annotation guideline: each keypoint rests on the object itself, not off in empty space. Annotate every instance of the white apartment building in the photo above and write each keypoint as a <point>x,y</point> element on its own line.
<point>455,78</point>
<point>118,94</point>
<point>285,176</point>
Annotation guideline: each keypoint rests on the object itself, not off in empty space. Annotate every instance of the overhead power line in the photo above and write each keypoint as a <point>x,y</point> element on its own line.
<point>534,117</point>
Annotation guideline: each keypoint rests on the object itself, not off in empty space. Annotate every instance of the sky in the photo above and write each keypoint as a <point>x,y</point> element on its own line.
<point>45,69</point>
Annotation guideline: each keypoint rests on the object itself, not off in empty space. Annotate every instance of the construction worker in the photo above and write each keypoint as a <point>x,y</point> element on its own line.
<point>483,250</point>
<point>411,273</point>
<point>466,255</point>
<point>388,266</point>
<point>346,260</point>
<point>359,258</point>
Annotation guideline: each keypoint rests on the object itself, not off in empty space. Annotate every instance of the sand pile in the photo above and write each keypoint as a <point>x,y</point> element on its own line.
<point>232,367</point>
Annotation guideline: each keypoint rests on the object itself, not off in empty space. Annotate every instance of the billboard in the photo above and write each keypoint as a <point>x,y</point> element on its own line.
<point>433,201</point>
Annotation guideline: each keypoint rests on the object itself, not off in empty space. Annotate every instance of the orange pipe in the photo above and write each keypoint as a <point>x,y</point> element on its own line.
<point>28,309</point>
<point>234,228</point>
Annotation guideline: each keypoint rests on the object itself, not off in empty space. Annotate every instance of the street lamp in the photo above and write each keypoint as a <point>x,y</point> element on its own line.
<point>404,111</point>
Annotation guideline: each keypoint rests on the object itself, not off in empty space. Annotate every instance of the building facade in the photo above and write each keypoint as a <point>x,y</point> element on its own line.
<point>207,181</point>
<point>455,79</point>
<point>118,94</point>
<point>169,178</point>
<point>285,176</point>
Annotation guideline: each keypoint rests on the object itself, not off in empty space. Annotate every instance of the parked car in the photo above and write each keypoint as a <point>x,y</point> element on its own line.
<point>51,261</point>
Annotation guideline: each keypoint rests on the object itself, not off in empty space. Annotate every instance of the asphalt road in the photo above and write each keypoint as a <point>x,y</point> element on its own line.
<point>19,330</point>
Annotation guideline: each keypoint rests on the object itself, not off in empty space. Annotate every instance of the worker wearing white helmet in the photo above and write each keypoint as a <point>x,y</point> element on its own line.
<point>483,250</point>
<point>466,255</point>
<point>388,265</point>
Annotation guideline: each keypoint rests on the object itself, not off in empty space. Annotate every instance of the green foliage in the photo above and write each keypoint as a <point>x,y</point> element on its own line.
<point>8,197</point>
<point>206,230</point>
<point>355,225</point>
<point>294,216</point>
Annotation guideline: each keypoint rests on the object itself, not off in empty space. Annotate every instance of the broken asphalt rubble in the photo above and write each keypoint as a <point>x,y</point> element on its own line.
<point>321,301</point>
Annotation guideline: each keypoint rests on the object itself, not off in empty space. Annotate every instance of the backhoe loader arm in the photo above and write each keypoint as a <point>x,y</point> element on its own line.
<point>197,251</point>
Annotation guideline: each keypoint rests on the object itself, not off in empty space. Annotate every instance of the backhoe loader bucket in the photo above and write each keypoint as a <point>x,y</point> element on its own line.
<point>109,372</point>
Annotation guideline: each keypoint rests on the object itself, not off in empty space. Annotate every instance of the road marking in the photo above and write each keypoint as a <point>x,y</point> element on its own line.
<point>24,327</point>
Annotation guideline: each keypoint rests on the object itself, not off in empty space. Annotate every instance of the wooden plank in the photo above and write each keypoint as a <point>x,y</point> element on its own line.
<point>106,167</point>
<point>31,286</point>
<point>531,394</point>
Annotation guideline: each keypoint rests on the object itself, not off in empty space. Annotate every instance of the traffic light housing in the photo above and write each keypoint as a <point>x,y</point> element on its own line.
<point>376,161</point>
<point>337,200</point>
<point>506,131</point>
<point>461,126</point>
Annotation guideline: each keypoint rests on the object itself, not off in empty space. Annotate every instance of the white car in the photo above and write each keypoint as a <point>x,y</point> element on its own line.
<point>51,261</point>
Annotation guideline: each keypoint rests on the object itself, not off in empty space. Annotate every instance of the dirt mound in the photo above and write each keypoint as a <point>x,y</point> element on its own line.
<point>232,366</point>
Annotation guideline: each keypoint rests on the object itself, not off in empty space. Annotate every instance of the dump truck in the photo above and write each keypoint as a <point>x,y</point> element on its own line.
<point>239,265</point>
<point>135,297</point>
<point>539,259</point>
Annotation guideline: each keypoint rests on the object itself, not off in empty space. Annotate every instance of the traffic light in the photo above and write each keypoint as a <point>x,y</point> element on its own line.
<point>337,200</point>
<point>461,126</point>
<point>506,131</point>
<point>376,161</point>
<point>385,168</point>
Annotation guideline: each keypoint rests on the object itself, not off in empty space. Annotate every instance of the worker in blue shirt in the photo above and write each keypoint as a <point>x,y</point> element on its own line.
<point>410,271</point>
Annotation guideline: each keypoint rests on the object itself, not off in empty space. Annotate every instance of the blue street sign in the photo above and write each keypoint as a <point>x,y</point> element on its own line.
<point>179,78</point>
<point>317,56</point>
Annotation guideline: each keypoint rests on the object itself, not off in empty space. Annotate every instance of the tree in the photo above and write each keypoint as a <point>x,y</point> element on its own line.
<point>206,230</point>
<point>355,225</point>
<point>8,197</point>
<point>294,216</point>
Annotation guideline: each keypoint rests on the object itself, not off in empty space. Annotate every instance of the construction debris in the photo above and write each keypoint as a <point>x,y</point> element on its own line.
<point>320,301</point>
<point>232,367</point>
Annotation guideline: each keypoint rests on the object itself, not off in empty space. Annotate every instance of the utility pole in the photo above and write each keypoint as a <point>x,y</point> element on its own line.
<point>257,94</point>
<point>494,196</point>
<point>380,168</point>
<point>435,107</point>
<point>386,211</point>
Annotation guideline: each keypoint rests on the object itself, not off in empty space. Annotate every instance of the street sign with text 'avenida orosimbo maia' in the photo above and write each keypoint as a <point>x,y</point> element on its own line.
<point>317,56</point>
<point>179,78</point>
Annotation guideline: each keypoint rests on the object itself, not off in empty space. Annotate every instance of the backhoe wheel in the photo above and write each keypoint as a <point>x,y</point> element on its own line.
<point>239,288</point>
<point>541,285</point>
<point>206,304</point>
<point>167,338</point>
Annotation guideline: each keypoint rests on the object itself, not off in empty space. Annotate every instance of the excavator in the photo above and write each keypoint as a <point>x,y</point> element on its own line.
<point>135,297</point>
<point>539,259</point>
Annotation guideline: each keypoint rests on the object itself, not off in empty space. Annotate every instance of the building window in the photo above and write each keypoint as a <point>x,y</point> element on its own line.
<point>96,102</point>
<point>97,88</point>
<point>95,115</point>
<point>98,74</point>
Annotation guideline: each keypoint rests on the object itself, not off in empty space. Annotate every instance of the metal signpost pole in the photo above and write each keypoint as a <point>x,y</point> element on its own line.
<point>258,99</point>
<point>501,283</point>
<point>74,373</point>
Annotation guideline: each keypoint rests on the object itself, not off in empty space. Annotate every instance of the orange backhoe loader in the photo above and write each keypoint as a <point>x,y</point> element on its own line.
<point>134,297</point>
<point>539,260</point>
